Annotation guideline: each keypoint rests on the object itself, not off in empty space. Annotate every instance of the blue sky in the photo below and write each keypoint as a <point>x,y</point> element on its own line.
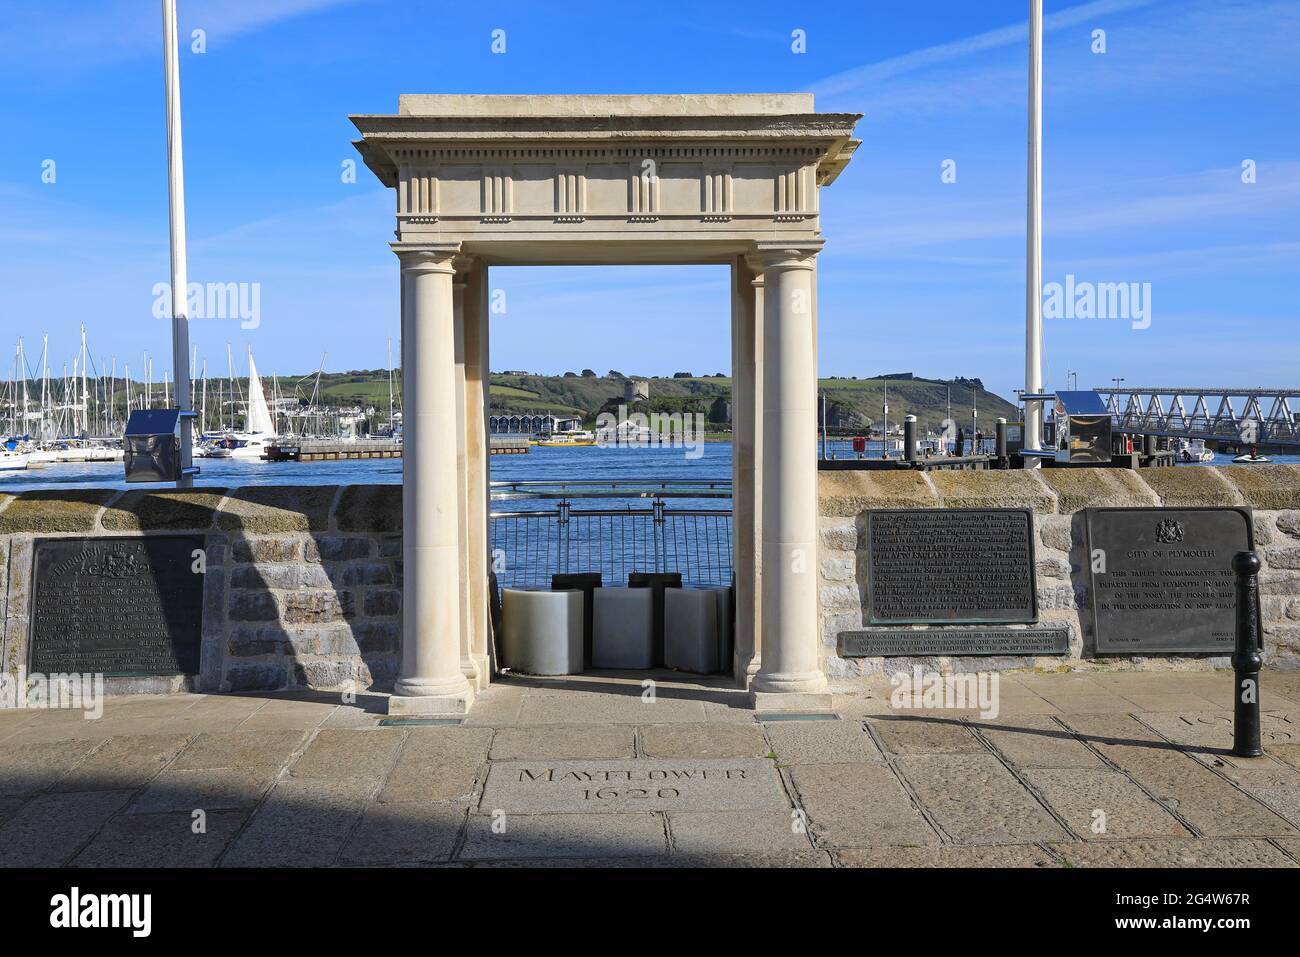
<point>1144,146</point>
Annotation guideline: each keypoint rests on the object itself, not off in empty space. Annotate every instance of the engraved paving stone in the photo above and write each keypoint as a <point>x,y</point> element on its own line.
<point>117,605</point>
<point>951,565</point>
<point>648,784</point>
<point>1167,583</point>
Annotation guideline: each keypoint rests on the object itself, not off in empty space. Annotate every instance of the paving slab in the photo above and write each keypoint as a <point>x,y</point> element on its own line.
<point>703,741</point>
<point>340,753</point>
<point>437,764</point>
<point>976,800</point>
<point>1037,741</point>
<point>1159,702</point>
<point>35,766</point>
<point>304,822</point>
<point>226,789</point>
<point>928,735</point>
<point>9,807</point>
<point>282,718</point>
<point>755,859</point>
<point>821,742</point>
<point>1173,853</point>
<point>557,836</point>
<point>557,742</point>
<point>123,763</point>
<point>51,828</point>
<point>405,833</point>
<point>596,708</point>
<point>649,784</point>
<point>859,805</point>
<point>1178,781</point>
<point>1211,729</point>
<point>1290,846</point>
<point>496,708</point>
<point>1103,804</point>
<point>1006,855</point>
<point>161,840</point>
<point>729,832</point>
<point>238,749</point>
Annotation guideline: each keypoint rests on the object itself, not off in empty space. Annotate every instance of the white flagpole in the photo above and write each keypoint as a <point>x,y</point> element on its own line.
<point>1034,252</point>
<point>176,208</point>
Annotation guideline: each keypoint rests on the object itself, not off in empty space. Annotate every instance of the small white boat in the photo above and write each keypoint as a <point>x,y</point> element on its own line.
<point>11,461</point>
<point>1251,458</point>
<point>1192,450</point>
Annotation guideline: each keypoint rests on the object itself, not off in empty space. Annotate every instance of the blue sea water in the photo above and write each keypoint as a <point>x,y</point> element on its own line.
<point>539,464</point>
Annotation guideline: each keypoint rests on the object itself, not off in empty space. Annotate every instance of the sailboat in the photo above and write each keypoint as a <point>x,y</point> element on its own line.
<point>260,430</point>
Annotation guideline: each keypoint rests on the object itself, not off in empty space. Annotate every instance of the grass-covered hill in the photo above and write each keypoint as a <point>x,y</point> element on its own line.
<point>854,404</point>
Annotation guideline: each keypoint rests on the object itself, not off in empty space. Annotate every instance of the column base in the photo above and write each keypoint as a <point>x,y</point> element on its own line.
<point>424,696</point>
<point>444,704</point>
<point>790,691</point>
<point>790,700</point>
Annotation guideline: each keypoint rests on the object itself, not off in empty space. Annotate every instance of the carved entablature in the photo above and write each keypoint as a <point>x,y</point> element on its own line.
<point>483,168</point>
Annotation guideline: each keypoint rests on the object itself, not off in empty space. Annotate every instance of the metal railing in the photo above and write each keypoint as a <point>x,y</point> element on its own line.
<point>530,546</point>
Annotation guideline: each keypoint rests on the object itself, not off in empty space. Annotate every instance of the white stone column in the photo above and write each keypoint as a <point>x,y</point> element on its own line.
<point>474,311</point>
<point>790,675</point>
<point>746,358</point>
<point>430,680</point>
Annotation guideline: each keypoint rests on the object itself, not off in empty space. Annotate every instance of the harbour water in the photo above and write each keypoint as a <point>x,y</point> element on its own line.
<point>540,464</point>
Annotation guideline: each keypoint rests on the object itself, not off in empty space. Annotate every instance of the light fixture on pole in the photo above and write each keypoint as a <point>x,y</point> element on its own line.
<point>180,280</point>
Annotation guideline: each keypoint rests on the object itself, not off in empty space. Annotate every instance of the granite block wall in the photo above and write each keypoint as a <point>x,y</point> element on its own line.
<point>1058,498</point>
<point>302,589</point>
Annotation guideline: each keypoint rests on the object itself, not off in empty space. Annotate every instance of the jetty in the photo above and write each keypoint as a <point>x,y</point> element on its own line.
<point>334,450</point>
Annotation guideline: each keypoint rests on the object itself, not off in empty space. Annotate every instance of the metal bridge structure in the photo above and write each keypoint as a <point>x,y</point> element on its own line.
<point>1242,417</point>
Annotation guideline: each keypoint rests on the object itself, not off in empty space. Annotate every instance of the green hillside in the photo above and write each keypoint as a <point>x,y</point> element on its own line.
<point>854,405</point>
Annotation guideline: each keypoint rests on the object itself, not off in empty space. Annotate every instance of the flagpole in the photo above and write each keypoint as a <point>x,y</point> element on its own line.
<point>180,280</point>
<point>1034,252</point>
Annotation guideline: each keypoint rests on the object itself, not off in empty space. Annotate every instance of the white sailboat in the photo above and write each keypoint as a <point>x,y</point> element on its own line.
<point>259,428</point>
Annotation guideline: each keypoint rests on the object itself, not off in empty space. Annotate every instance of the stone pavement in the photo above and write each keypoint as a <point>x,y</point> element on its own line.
<point>1082,769</point>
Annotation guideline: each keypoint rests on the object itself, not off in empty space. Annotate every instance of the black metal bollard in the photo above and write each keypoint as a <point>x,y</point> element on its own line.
<point>1246,660</point>
<point>909,438</point>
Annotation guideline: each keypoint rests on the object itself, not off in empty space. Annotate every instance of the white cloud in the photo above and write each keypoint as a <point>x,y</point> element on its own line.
<point>1152,51</point>
<point>80,35</point>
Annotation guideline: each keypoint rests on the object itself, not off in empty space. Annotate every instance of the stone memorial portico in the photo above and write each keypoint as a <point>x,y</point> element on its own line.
<point>627,180</point>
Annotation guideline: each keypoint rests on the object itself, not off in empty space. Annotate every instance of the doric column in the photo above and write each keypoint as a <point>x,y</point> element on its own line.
<point>790,675</point>
<point>746,370</point>
<point>431,679</point>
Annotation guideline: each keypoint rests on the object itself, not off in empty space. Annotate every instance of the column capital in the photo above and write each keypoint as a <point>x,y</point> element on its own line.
<point>773,254</point>
<point>427,257</point>
<point>464,264</point>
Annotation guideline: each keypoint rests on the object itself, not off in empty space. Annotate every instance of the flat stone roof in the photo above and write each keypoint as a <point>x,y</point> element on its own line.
<point>602,104</point>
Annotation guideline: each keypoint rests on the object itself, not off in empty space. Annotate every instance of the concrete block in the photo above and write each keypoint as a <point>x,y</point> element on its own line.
<point>542,631</point>
<point>691,629</point>
<point>623,628</point>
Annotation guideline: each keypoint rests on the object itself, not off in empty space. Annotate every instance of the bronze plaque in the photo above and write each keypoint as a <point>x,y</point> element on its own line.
<point>117,606</point>
<point>1160,579</point>
<point>938,565</point>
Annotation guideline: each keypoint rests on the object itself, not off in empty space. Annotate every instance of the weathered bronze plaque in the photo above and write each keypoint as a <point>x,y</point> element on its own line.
<point>1160,579</point>
<point>936,565</point>
<point>910,643</point>
<point>125,606</point>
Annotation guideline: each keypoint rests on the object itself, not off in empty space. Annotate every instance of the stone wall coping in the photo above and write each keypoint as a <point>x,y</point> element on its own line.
<point>1062,491</point>
<point>377,508</point>
<point>250,511</point>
